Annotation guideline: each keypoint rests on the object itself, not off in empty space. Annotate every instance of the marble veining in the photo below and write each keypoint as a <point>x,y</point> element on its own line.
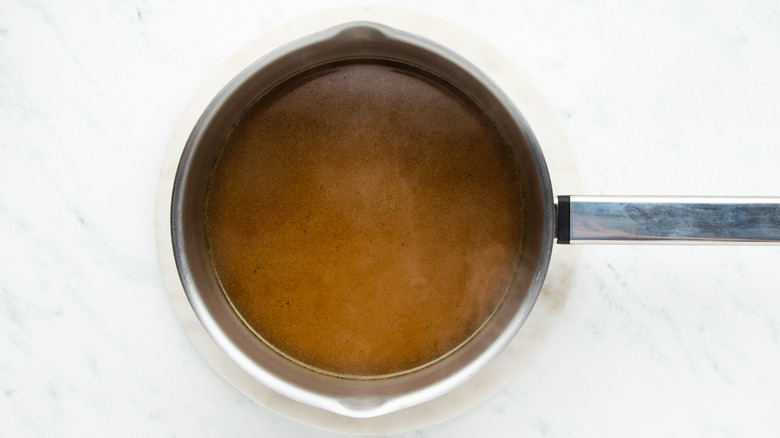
<point>655,98</point>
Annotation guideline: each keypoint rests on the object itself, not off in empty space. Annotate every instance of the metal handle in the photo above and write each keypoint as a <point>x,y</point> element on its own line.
<point>653,219</point>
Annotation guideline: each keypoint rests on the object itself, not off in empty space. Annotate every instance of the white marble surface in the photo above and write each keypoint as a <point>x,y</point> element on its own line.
<point>655,97</point>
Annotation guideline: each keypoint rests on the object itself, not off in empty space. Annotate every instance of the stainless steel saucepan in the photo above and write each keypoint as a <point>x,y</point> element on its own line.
<point>569,219</point>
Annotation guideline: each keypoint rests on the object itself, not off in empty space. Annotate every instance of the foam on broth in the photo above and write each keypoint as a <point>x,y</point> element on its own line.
<point>364,218</point>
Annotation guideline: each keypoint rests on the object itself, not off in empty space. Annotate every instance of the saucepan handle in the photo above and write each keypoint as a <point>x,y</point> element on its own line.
<point>655,219</point>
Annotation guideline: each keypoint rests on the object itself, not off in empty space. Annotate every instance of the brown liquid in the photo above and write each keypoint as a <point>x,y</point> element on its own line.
<point>364,218</point>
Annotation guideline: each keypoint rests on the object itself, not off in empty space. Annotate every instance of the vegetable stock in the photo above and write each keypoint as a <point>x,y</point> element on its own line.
<point>364,218</point>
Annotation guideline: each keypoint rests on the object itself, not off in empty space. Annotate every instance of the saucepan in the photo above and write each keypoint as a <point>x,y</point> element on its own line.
<point>566,219</point>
